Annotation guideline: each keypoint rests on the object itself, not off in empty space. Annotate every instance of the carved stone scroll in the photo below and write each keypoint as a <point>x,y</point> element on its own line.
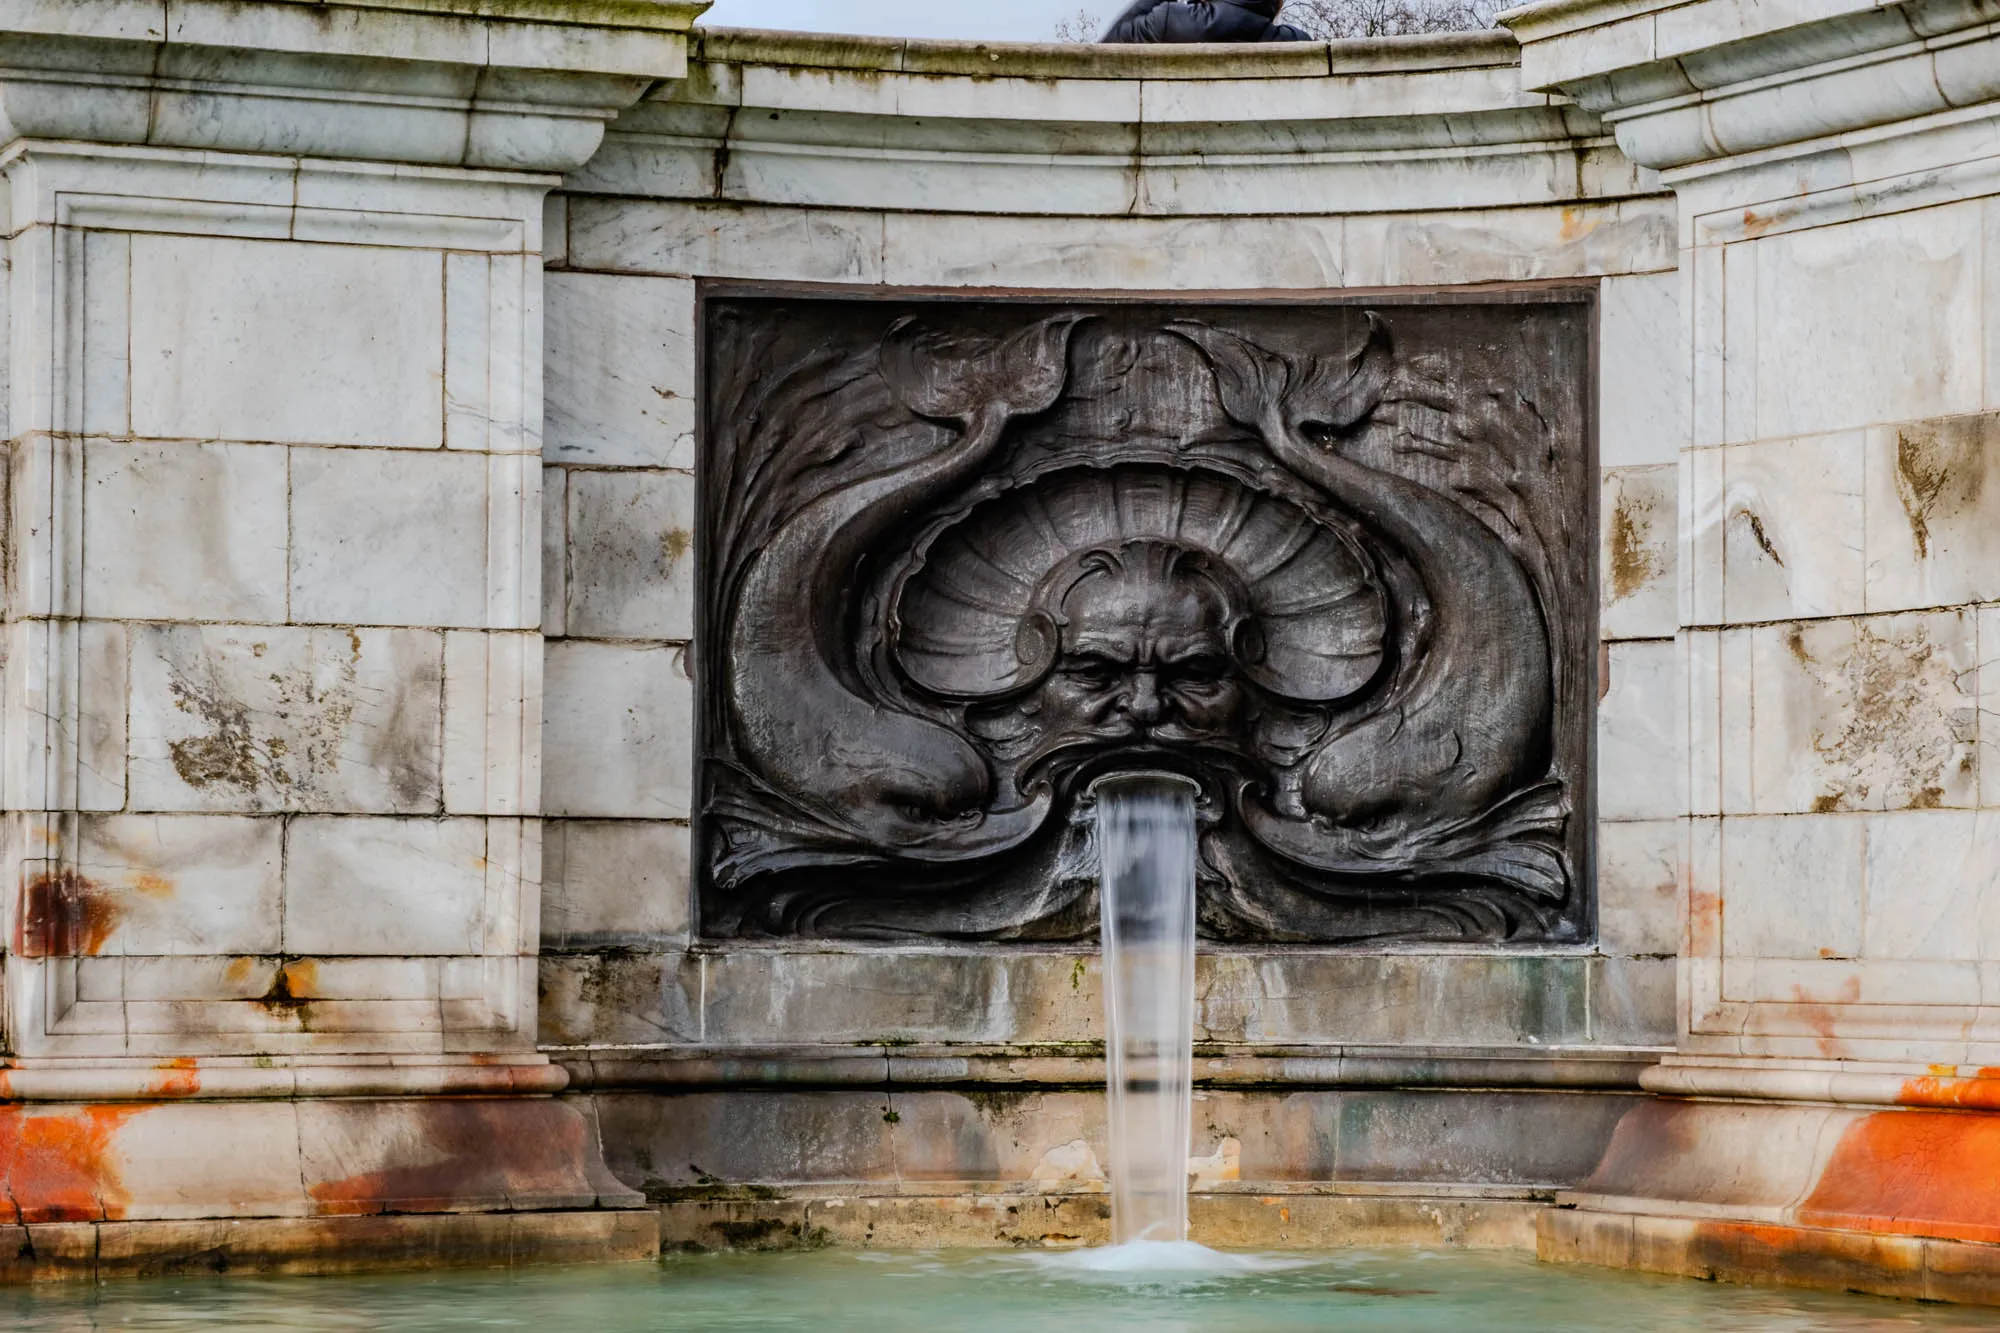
<point>1334,561</point>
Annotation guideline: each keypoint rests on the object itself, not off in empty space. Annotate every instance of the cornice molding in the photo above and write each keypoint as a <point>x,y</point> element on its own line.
<point>1684,85</point>
<point>524,85</point>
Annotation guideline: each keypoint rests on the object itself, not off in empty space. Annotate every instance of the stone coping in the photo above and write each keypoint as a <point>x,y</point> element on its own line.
<point>1080,60</point>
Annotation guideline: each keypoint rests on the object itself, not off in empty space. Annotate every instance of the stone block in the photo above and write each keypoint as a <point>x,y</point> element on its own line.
<point>555,550</point>
<point>385,886</point>
<point>1632,1001</point>
<point>1409,999</point>
<point>630,551</point>
<point>621,361</point>
<point>184,532</point>
<point>1878,713</point>
<point>620,999</point>
<point>190,884</point>
<point>1639,746</point>
<point>1642,367</point>
<point>1587,239</point>
<point>1639,516</point>
<point>655,1141</point>
<point>1793,523</point>
<point>235,718</point>
<point>451,1155</point>
<point>725,240</point>
<point>1933,503</point>
<point>1495,1138</point>
<point>492,723</point>
<point>617,731</point>
<point>1889,307</point>
<point>1933,885</point>
<point>758,997</point>
<point>170,1166</point>
<point>390,538</point>
<point>229,341</point>
<point>1136,253</point>
<point>1792,887</point>
<point>614,884</point>
<point>1638,887</point>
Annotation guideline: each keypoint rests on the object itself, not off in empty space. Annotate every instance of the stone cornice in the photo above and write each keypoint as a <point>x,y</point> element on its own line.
<point>510,84</point>
<point>1078,60</point>
<point>1683,84</point>
<point>1384,125</point>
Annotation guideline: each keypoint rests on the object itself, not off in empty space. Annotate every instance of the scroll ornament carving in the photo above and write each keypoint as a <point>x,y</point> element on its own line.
<point>958,567</point>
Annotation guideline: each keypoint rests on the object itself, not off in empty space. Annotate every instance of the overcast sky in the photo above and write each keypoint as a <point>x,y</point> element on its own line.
<point>996,20</point>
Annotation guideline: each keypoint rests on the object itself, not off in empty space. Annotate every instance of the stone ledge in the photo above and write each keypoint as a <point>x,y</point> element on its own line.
<point>1254,1217</point>
<point>1216,1066</point>
<point>94,1251</point>
<point>1766,1254</point>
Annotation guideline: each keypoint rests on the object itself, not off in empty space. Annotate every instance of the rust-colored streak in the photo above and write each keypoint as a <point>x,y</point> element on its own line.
<point>291,992</point>
<point>466,1154</point>
<point>1913,1173</point>
<point>175,1078</point>
<point>62,1165</point>
<point>64,915</point>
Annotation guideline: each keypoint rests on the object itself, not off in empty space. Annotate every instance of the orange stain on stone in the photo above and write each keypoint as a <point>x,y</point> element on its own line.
<point>175,1078</point>
<point>1913,1173</point>
<point>153,886</point>
<point>1980,1093</point>
<point>62,1165</point>
<point>63,915</point>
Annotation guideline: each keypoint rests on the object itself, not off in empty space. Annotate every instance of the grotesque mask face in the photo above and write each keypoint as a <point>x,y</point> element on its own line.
<point>1146,639</point>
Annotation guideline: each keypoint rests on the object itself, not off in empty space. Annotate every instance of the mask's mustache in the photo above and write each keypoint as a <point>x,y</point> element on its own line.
<point>1058,764</point>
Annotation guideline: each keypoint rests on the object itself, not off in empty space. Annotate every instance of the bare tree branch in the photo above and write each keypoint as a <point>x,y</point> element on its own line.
<point>1082,26</point>
<point>1390,18</point>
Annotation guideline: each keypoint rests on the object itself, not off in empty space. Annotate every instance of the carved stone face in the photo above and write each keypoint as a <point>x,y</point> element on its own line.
<point>1146,650</point>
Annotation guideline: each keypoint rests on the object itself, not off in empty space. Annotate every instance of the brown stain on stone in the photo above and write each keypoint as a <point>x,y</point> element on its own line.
<point>1633,562</point>
<point>675,545</point>
<point>62,1165</point>
<point>1892,720</point>
<point>1940,471</point>
<point>1913,1173</point>
<point>238,970</point>
<point>1755,224</point>
<point>1755,523</point>
<point>64,915</point>
<point>291,992</point>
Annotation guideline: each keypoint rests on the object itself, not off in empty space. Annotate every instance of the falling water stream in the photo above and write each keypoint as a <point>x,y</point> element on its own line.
<point>1146,846</point>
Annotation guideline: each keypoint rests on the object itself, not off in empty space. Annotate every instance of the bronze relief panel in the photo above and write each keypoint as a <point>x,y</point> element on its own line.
<point>1335,561</point>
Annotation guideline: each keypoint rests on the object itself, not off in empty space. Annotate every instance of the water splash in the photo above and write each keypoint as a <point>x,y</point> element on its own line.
<point>1146,847</point>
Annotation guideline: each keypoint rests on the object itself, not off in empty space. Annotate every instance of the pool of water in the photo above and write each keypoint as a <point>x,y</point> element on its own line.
<point>1355,1292</point>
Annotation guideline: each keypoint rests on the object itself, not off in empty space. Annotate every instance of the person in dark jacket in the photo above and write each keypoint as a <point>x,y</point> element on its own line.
<point>1203,21</point>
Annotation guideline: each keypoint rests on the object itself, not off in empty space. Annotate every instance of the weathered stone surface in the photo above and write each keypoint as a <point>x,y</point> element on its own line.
<point>617,731</point>
<point>630,552</point>
<point>278,718</point>
<point>614,884</point>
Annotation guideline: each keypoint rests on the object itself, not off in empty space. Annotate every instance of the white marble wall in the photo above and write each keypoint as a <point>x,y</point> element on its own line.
<point>1840,241</point>
<point>274,652</point>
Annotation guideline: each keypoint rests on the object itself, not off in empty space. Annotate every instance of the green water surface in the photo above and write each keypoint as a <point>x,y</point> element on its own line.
<point>874,1292</point>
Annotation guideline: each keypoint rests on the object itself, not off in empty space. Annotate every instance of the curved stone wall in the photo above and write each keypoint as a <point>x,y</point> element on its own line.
<point>848,165</point>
